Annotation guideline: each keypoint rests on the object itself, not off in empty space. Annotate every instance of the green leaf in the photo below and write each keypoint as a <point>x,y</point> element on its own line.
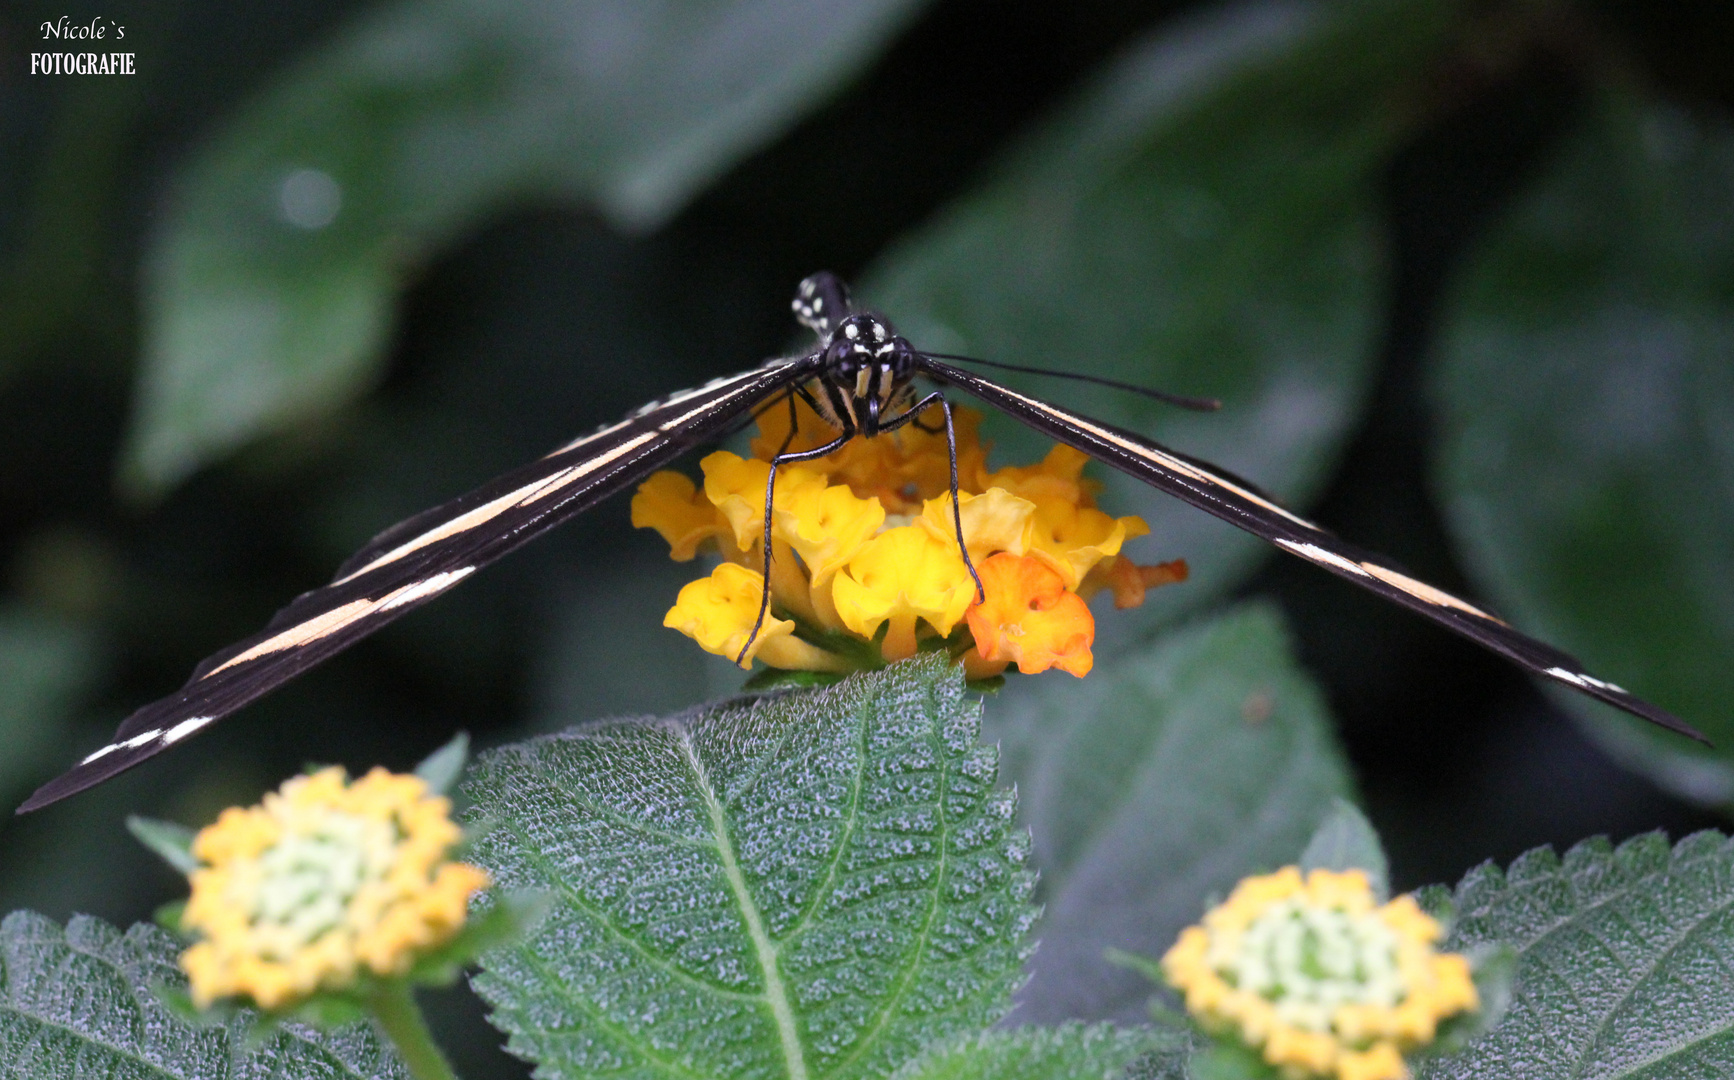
<point>168,840</point>
<point>82,1003</point>
<point>47,664</point>
<point>441,769</point>
<point>1205,220</point>
<point>1154,784</point>
<point>270,287</point>
<point>1068,1052</point>
<point>1622,959</point>
<point>1231,1060</point>
<point>1587,406</point>
<point>1345,840</point>
<point>816,884</point>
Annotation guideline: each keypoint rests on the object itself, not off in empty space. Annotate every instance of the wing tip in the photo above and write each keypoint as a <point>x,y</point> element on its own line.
<point>1625,700</point>
<point>110,761</point>
<point>81,777</point>
<point>1670,722</point>
<point>63,786</point>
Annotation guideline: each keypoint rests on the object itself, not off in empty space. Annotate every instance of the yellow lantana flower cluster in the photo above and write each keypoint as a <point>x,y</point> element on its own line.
<point>1309,970</point>
<point>322,881</point>
<point>864,548</point>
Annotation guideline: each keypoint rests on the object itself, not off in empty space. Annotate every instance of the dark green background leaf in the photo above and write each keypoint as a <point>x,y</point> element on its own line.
<point>1203,221</point>
<point>815,884</point>
<point>271,284</point>
<point>1587,399</point>
<point>1166,777</point>
<point>1623,961</point>
<point>81,1003</point>
<point>48,664</point>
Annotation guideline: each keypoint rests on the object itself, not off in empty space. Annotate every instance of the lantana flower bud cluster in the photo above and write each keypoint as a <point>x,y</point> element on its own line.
<point>325,881</point>
<point>864,548</point>
<point>1321,979</point>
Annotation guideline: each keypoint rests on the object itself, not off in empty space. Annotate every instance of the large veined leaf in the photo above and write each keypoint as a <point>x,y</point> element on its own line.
<point>1587,400</point>
<point>811,885</point>
<point>1623,961</point>
<point>1204,220</point>
<point>271,282</point>
<point>1067,1052</point>
<point>1164,778</point>
<point>80,1003</point>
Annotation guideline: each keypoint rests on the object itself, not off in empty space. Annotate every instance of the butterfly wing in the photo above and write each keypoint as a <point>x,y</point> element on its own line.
<point>418,559</point>
<point>1237,502</point>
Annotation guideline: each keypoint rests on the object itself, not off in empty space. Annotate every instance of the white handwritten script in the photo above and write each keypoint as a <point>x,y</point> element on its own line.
<point>94,30</point>
<point>82,63</point>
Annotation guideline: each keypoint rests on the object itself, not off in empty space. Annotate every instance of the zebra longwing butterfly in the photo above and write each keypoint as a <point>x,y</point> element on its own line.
<point>860,379</point>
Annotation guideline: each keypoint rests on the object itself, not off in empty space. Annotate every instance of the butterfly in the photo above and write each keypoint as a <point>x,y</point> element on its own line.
<point>860,379</point>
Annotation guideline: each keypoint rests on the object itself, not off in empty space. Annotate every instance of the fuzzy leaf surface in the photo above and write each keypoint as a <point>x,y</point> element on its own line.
<point>809,885</point>
<point>1622,961</point>
<point>79,1002</point>
<point>1067,1052</point>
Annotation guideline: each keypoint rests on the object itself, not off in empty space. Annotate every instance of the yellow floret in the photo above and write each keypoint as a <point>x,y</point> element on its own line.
<point>900,576</point>
<point>718,612</point>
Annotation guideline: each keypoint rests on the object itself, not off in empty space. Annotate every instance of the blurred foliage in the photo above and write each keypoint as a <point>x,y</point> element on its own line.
<point>1588,420</point>
<point>1345,840</point>
<point>47,666</point>
<point>1131,834</point>
<point>318,267</point>
<point>269,288</point>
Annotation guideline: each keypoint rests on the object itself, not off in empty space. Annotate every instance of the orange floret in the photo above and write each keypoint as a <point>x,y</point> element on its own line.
<point>1030,618</point>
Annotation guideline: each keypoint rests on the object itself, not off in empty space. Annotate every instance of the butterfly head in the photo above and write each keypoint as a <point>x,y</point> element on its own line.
<point>869,368</point>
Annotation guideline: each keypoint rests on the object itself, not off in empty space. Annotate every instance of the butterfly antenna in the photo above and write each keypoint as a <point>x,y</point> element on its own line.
<point>1198,404</point>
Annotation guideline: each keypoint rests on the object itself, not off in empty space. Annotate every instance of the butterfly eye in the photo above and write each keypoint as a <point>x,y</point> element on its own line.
<point>902,360</point>
<point>839,355</point>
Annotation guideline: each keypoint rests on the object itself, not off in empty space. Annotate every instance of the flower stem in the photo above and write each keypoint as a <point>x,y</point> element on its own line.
<point>399,1019</point>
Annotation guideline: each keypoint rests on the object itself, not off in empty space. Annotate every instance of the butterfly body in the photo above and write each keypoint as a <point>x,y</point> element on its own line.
<point>861,380</point>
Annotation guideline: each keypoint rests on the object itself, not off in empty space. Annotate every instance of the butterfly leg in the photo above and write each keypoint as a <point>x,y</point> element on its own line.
<point>918,425</point>
<point>784,457</point>
<point>909,417</point>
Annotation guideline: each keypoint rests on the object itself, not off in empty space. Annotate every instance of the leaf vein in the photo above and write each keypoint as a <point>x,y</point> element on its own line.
<point>775,995</point>
<point>941,876</point>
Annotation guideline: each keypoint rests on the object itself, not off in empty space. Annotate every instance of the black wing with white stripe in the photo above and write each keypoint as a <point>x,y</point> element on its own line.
<point>416,560</point>
<point>1240,504</point>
